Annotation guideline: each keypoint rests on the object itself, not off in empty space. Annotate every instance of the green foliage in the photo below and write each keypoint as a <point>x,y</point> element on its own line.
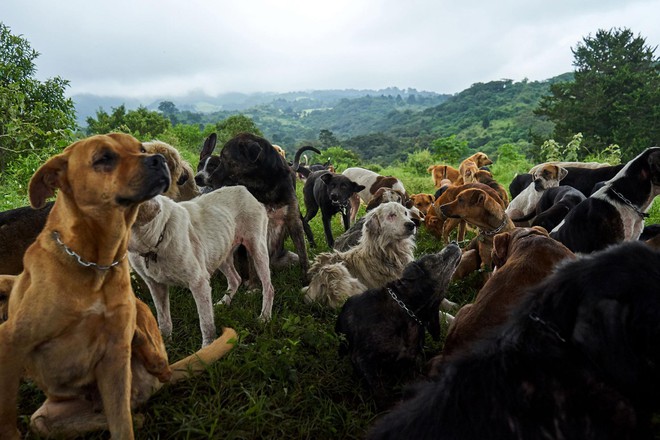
<point>615,95</point>
<point>328,139</point>
<point>340,158</point>
<point>36,119</point>
<point>418,162</point>
<point>142,123</point>
<point>553,151</point>
<point>230,127</point>
<point>450,150</point>
<point>509,161</point>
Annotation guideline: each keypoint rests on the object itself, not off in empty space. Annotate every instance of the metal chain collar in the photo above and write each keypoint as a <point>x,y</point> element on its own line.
<point>404,307</point>
<point>496,230</point>
<point>80,260</point>
<point>643,215</point>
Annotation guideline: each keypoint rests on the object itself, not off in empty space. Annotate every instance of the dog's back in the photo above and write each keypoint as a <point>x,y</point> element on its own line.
<point>18,229</point>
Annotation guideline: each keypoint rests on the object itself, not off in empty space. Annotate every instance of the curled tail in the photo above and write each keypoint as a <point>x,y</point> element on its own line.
<point>296,159</point>
<point>198,361</point>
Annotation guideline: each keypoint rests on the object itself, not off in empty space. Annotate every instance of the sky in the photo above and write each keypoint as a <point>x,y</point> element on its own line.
<point>168,48</point>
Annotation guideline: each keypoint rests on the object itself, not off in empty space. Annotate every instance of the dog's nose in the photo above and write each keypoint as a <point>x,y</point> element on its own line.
<point>410,226</point>
<point>155,161</point>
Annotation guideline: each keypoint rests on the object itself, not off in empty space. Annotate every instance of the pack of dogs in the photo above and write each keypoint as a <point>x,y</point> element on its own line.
<point>560,340</point>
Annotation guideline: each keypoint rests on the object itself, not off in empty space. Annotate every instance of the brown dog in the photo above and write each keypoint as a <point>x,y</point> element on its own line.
<point>440,173</point>
<point>422,202</point>
<point>523,257</point>
<point>486,177</point>
<point>479,208</point>
<point>183,186</point>
<point>6,283</point>
<point>78,264</point>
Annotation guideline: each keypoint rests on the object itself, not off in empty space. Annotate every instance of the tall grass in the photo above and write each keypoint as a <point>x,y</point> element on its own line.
<point>285,378</point>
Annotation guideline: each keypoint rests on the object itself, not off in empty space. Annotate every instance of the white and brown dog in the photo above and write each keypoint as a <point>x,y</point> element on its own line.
<point>184,243</point>
<point>372,182</point>
<point>524,204</point>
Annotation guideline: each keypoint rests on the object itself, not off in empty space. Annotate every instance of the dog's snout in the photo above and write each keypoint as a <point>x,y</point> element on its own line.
<point>155,161</point>
<point>410,226</point>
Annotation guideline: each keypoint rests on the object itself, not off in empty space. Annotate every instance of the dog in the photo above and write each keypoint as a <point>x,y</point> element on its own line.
<point>18,230</point>
<point>554,206</point>
<point>6,283</point>
<point>523,257</point>
<point>443,173</point>
<point>330,193</point>
<point>371,181</point>
<point>616,212</point>
<point>280,150</point>
<point>183,186</point>
<point>479,158</point>
<point>386,247</point>
<point>486,177</point>
<point>422,202</point>
<point>577,360</point>
<point>479,208</point>
<point>524,204</point>
<point>385,327</point>
<point>185,243</point>
<point>78,262</point>
<point>251,161</point>
<point>384,195</point>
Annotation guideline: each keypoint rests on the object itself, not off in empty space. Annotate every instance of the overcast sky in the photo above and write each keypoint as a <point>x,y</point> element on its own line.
<point>155,48</point>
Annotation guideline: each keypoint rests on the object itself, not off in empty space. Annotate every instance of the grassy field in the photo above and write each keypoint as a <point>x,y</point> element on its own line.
<point>284,379</point>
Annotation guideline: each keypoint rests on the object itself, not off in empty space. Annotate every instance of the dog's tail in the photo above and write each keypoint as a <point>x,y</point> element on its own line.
<point>197,362</point>
<point>296,160</point>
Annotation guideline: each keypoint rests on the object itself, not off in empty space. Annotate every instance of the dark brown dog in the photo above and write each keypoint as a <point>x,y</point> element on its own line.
<point>523,257</point>
<point>251,161</point>
<point>18,229</point>
<point>385,327</point>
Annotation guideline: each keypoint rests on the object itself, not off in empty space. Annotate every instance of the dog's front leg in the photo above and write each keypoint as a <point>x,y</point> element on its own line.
<point>10,371</point>
<point>160,295</point>
<point>113,377</point>
<point>327,228</point>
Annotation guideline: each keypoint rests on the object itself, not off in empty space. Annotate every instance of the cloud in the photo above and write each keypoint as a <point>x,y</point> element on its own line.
<point>154,48</point>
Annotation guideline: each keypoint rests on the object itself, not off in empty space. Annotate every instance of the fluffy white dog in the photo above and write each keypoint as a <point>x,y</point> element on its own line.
<point>385,248</point>
<point>184,243</point>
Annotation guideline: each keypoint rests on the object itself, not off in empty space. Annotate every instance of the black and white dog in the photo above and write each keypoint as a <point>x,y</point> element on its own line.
<point>616,211</point>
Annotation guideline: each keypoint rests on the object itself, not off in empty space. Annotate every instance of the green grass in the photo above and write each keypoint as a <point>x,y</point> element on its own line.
<point>284,379</point>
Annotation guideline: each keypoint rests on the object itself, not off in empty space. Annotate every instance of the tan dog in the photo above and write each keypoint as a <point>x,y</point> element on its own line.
<point>480,159</point>
<point>422,202</point>
<point>441,173</point>
<point>467,170</point>
<point>524,257</point>
<point>79,264</point>
<point>479,209</point>
<point>281,151</point>
<point>183,186</point>
<point>486,177</point>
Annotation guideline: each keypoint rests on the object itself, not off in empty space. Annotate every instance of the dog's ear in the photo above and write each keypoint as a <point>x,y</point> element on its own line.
<point>357,188</point>
<point>209,145</point>
<point>326,178</point>
<point>373,224</point>
<point>561,172</point>
<point>541,229</point>
<point>47,179</point>
<point>413,272</point>
<point>431,169</point>
<point>500,249</point>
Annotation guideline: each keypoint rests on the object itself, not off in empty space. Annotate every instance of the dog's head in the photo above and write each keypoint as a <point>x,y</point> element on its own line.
<point>208,162</point>
<point>6,284</point>
<point>506,243</point>
<point>654,165</point>
<point>480,159</point>
<point>468,171</point>
<point>384,195</point>
<point>438,268</point>
<point>387,222</point>
<point>472,205</point>
<point>339,188</point>
<point>101,171</point>
<point>180,171</point>
<point>548,176</point>
<point>606,307</point>
<point>422,202</point>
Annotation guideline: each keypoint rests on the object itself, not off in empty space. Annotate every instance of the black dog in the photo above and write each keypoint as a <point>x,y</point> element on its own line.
<point>18,229</point>
<point>251,161</point>
<point>579,359</point>
<point>385,327</point>
<point>554,206</point>
<point>616,212</point>
<point>331,193</point>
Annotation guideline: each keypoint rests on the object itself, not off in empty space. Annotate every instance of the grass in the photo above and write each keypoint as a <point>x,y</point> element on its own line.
<point>284,379</point>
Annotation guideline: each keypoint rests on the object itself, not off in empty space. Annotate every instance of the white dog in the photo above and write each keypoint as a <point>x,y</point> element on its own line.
<point>386,246</point>
<point>524,204</point>
<point>185,243</point>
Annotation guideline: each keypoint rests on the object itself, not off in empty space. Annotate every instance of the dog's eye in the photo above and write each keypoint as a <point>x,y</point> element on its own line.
<point>105,160</point>
<point>142,149</point>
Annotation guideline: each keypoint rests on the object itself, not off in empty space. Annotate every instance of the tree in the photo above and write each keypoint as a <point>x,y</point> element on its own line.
<point>168,108</point>
<point>233,125</point>
<point>328,139</point>
<point>614,97</point>
<point>142,123</point>
<point>450,150</point>
<point>35,117</point>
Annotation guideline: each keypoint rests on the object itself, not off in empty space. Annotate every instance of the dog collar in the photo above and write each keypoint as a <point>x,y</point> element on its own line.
<point>621,197</point>
<point>496,230</point>
<point>80,260</point>
<point>404,307</point>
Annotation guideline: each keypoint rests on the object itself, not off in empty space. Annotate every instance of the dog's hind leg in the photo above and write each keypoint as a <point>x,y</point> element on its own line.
<point>259,253</point>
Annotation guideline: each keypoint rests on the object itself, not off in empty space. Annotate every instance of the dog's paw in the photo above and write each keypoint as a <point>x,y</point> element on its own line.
<point>286,260</point>
<point>226,300</point>
<point>446,318</point>
<point>448,305</point>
